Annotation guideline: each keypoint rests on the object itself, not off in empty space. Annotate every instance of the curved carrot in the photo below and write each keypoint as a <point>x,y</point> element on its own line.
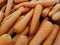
<point>8,7</point>
<point>56,16</point>
<point>35,19</point>
<point>55,9</point>
<point>42,33</point>
<point>5,39</point>
<point>8,23</point>
<point>57,41</point>
<point>52,36</point>
<point>33,4</point>
<point>21,25</point>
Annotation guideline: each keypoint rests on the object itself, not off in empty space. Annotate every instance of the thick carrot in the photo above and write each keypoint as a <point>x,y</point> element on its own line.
<point>8,7</point>
<point>8,23</point>
<point>55,9</point>
<point>46,11</point>
<point>52,36</point>
<point>1,16</point>
<point>22,40</point>
<point>11,31</point>
<point>56,16</point>
<point>21,25</point>
<point>42,33</point>
<point>57,41</point>
<point>20,1</point>
<point>34,3</point>
<point>5,39</point>
<point>35,19</point>
<point>3,8</point>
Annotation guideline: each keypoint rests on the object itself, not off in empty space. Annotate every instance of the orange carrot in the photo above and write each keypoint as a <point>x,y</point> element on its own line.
<point>2,1</point>
<point>21,25</point>
<point>8,7</point>
<point>34,3</point>
<point>46,12</point>
<point>56,16</point>
<point>22,40</point>
<point>25,32</point>
<point>8,23</point>
<point>3,8</point>
<point>1,16</point>
<point>52,36</point>
<point>20,1</point>
<point>11,31</point>
<point>57,41</point>
<point>5,39</point>
<point>55,9</point>
<point>42,33</point>
<point>35,19</point>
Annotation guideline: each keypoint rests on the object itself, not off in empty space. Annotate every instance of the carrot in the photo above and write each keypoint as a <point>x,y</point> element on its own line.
<point>42,33</point>
<point>57,41</point>
<point>55,9</point>
<point>22,40</point>
<point>20,1</point>
<point>34,0</point>
<point>52,36</point>
<point>1,16</point>
<point>8,7</point>
<point>3,8</point>
<point>8,23</point>
<point>2,1</point>
<point>12,11</point>
<point>11,31</point>
<point>21,25</point>
<point>25,32</point>
<point>46,11</point>
<point>35,19</point>
<point>25,10</point>
<point>56,16</point>
<point>5,39</point>
<point>34,3</point>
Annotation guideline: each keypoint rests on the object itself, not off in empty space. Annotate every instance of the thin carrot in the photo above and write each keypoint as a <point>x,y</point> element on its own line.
<point>22,40</point>
<point>20,1</point>
<point>1,16</point>
<point>5,39</point>
<point>56,16</point>
<point>46,11</point>
<point>57,41</point>
<point>8,23</point>
<point>55,9</point>
<point>42,33</point>
<point>3,8</point>
<point>52,36</point>
<point>11,31</point>
<point>35,19</point>
<point>34,3</point>
<point>8,7</point>
<point>21,25</point>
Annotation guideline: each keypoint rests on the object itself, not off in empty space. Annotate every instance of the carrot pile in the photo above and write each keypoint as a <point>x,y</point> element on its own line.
<point>29,22</point>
